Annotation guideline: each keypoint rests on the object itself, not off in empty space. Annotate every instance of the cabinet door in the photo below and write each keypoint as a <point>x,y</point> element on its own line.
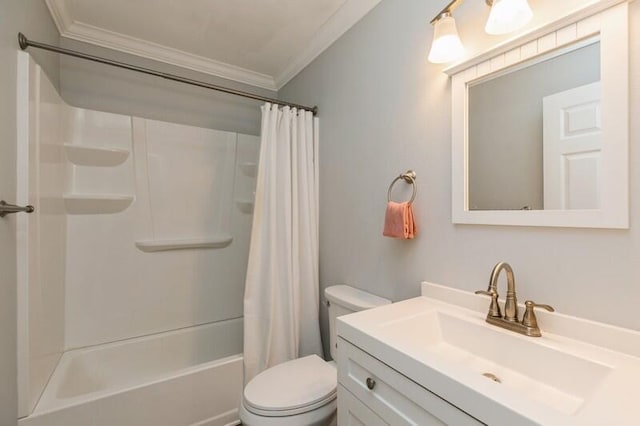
<point>352,412</point>
<point>392,396</point>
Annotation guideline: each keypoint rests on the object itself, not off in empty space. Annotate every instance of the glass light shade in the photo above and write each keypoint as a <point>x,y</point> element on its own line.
<point>507,16</point>
<point>446,46</point>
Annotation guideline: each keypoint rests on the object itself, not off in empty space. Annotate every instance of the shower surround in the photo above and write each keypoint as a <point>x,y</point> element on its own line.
<point>132,268</point>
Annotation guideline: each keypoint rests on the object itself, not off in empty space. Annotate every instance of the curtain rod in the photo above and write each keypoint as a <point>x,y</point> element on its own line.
<point>24,43</point>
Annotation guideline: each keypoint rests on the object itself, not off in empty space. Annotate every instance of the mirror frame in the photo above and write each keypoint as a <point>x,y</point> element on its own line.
<point>611,26</point>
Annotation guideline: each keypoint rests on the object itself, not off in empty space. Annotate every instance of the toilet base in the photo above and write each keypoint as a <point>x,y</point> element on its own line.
<point>322,416</point>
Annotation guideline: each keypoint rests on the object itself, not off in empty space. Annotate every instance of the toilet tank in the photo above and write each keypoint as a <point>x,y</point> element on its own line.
<point>342,300</point>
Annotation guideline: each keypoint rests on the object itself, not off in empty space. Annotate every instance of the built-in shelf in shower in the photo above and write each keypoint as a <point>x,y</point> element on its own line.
<point>150,246</point>
<point>249,169</point>
<point>96,203</point>
<point>245,206</point>
<point>95,156</point>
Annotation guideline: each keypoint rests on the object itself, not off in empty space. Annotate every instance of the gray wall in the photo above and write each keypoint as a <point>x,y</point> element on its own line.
<point>505,129</point>
<point>384,109</point>
<point>32,18</point>
<point>101,87</point>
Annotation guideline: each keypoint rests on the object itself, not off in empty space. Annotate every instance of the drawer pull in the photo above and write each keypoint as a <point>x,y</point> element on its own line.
<point>371,383</point>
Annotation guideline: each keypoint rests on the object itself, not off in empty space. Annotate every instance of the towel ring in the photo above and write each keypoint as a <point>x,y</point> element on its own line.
<point>410,177</point>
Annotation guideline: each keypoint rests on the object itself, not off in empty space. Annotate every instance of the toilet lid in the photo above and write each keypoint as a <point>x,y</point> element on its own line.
<point>292,385</point>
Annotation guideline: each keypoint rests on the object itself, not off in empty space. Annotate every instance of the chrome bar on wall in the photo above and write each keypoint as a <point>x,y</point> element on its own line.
<point>6,208</point>
<point>24,43</point>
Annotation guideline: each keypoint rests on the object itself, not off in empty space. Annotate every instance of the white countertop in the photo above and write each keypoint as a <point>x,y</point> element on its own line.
<point>578,373</point>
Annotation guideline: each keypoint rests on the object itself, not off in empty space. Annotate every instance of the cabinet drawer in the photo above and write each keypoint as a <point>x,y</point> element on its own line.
<point>352,412</point>
<point>392,396</point>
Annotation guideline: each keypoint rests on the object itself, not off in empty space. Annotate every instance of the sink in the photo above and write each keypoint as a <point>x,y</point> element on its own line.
<point>578,373</point>
<point>558,379</point>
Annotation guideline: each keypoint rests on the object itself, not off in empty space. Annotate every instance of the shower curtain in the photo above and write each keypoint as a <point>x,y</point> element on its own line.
<point>282,292</point>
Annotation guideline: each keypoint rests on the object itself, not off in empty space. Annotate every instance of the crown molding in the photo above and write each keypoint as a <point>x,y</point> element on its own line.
<point>145,49</point>
<point>338,24</point>
<point>60,14</point>
<point>75,30</point>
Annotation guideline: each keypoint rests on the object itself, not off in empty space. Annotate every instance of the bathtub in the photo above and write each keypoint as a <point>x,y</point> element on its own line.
<point>190,377</point>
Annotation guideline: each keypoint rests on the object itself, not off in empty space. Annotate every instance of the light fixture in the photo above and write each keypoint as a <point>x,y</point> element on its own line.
<point>446,46</point>
<point>505,16</point>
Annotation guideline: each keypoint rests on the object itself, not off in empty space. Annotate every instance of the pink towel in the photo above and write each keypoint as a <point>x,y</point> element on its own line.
<point>398,221</point>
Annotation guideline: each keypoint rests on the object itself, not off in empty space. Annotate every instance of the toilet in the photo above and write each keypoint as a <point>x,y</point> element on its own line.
<point>302,392</point>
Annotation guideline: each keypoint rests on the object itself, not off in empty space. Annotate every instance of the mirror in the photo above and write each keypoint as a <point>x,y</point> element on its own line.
<point>535,137</point>
<point>540,127</point>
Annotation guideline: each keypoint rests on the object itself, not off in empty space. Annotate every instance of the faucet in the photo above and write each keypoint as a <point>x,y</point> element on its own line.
<point>529,324</point>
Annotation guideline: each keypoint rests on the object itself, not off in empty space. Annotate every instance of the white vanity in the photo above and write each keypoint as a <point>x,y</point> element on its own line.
<point>371,392</point>
<point>434,360</point>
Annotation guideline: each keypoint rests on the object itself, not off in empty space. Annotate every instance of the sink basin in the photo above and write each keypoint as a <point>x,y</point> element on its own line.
<point>558,379</point>
<point>578,373</point>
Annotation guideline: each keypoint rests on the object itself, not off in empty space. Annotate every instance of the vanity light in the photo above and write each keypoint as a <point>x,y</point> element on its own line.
<point>505,16</point>
<point>446,46</point>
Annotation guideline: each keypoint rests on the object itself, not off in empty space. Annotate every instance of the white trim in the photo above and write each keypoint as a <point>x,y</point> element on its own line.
<point>22,229</point>
<point>340,22</point>
<point>613,27</point>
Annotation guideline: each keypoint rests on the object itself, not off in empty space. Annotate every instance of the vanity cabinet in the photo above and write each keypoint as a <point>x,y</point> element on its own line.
<point>353,412</point>
<point>372,393</point>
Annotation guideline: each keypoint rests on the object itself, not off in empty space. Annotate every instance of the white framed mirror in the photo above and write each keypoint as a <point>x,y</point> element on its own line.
<point>540,127</point>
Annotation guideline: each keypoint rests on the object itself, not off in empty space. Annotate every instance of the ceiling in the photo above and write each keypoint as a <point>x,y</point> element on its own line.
<point>263,43</point>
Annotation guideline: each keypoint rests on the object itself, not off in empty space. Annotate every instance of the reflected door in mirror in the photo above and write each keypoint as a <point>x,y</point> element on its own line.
<point>572,146</point>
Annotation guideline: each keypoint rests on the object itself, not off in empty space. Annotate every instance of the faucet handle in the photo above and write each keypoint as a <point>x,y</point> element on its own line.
<point>494,308</point>
<point>529,319</point>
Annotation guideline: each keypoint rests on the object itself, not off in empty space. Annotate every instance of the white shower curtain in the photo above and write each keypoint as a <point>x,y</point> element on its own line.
<point>281,293</point>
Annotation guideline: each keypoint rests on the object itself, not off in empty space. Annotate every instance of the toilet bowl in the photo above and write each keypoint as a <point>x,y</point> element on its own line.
<point>302,392</point>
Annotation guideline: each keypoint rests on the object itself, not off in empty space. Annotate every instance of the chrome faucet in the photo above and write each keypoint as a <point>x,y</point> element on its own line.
<point>529,324</point>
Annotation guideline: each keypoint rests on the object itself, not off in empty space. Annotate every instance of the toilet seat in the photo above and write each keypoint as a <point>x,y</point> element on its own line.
<point>321,416</point>
<point>292,388</point>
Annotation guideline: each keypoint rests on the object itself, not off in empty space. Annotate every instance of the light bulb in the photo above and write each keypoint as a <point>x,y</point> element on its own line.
<point>507,16</point>
<point>446,46</point>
